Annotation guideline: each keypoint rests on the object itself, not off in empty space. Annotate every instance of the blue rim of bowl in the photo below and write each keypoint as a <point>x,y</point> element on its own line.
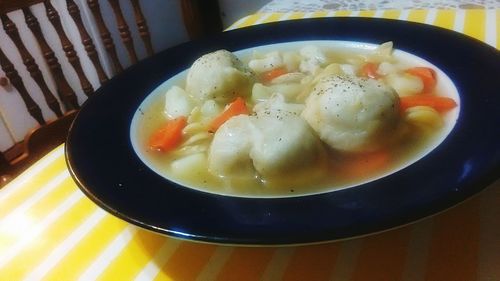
<point>102,162</point>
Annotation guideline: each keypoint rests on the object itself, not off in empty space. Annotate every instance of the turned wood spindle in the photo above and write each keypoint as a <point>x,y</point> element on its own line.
<point>64,90</point>
<point>5,168</point>
<point>68,48</point>
<point>28,60</point>
<point>16,81</point>
<point>4,82</point>
<point>142,27</point>
<point>105,34</point>
<point>87,42</point>
<point>124,30</point>
<point>4,165</point>
<point>4,180</point>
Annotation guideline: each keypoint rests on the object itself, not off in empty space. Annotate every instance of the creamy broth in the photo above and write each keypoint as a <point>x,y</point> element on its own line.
<point>333,169</point>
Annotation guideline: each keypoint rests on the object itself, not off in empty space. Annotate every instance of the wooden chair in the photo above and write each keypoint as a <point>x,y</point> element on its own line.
<point>200,18</point>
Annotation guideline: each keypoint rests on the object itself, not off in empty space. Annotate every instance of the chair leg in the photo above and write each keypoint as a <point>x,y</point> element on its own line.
<point>4,180</point>
<point>201,17</point>
<point>4,170</point>
<point>4,164</point>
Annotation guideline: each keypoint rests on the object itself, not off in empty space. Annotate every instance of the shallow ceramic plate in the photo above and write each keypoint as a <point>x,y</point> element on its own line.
<point>103,163</point>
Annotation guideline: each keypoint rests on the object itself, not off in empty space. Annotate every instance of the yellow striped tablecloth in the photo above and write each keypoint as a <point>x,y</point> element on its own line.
<point>49,230</point>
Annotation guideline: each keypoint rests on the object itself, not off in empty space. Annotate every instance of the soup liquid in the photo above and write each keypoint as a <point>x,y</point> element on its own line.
<point>333,171</point>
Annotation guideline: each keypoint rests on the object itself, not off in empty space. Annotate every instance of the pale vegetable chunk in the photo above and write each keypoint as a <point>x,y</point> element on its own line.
<point>405,84</point>
<point>291,60</point>
<point>289,90</point>
<point>386,68</point>
<point>312,59</point>
<point>260,92</point>
<point>349,69</point>
<point>331,69</point>
<point>382,53</point>
<point>292,77</point>
<point>220,76</point>
<point>424,117</point>
<point>210,109</point>
<point>269,62</point>
<point>351,113</point>
<point>178,103</point>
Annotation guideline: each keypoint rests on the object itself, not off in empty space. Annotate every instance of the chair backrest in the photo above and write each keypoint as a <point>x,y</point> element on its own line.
<point>77,49</point>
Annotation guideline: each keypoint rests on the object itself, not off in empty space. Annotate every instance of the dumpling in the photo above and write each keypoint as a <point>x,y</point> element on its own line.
<point>351,113</point>
<point>219,75</point>
<point>229,153</point>
<point>275,140</point>
<point>283,140</point>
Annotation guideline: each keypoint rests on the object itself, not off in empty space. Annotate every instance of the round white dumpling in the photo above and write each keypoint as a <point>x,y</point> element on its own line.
<point>274,141</point>
<point>283,140</point>
<point>219,75</point>
<point>229,153</point>
<point>351,113</point>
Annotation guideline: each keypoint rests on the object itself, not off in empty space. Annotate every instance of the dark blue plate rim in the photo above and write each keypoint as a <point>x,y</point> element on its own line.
<point>101,159</point>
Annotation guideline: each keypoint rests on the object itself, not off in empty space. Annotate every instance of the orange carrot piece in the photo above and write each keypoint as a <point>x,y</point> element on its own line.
<point>365,164</point>
<point>427,75</point>
<point>440,104</point>
<point>169,136</point>
<point>237,107</point>
<point>369,70</point>
<point>268,76</point>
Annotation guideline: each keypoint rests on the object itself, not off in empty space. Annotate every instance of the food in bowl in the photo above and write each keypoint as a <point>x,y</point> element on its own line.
<point>297,119</point>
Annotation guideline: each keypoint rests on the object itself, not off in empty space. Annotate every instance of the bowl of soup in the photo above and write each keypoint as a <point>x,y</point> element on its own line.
<point>293,132</point>
<point>294,119</point>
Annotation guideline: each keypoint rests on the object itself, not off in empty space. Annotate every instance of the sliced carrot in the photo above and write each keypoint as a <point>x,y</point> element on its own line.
<point>169,136</point>
<point>427,75</point>
<point>237,107</point>
<point>268,76</point>
<point>365,164</point>
<point>369,70</point>
<point>440,104</point>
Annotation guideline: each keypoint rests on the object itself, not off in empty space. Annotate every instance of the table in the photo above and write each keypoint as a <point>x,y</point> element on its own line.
<point>49,230</point>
